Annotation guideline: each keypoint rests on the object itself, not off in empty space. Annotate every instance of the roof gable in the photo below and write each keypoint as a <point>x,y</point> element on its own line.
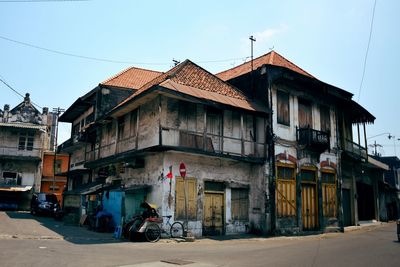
<point>132,78</point>
<point>189,74</point>
<point>271,58</point>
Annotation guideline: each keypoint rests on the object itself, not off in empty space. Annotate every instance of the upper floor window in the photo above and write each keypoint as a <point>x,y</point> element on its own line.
<point>57,166</point>
<point>134,120</point>
<point>187,116</point>
<point>325,119</point>
<point>305,114</point>
<point>121,127</point>
<point>26,141</point>
<point>283,108</point>
<point>214,119</point>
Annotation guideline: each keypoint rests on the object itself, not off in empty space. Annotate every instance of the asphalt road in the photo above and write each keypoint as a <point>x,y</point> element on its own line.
<point>31,241</point>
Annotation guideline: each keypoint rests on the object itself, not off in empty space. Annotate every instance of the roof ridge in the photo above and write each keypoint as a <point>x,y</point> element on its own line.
<point>219,79</point>
<point>125,71</point>
<point>279,55</point>
<point>242,64</point>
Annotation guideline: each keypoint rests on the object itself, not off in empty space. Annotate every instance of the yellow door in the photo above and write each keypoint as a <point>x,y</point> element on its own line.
<point>309,209</point>
<point>213,221</point>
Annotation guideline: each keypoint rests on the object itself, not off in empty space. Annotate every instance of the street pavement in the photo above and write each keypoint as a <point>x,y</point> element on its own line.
<point>38,241</point>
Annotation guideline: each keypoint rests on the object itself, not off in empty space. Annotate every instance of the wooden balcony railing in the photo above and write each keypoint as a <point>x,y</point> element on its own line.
<point>313,139</point>
<point>355,149</point>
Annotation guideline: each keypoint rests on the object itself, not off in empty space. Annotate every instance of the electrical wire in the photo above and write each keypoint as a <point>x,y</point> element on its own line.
<point>15,91</point>
<point>110,60</point>
<point>366,53</point>
<point>36,1</point>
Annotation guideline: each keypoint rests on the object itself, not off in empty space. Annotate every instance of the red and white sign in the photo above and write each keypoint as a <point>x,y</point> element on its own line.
<point>182,170</point>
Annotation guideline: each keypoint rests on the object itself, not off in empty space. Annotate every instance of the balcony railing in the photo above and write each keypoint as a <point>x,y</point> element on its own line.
<point>27,152</point>
<point>74,142</point>
<point>195,141</point>
<point>212,143</point>
<point>355,149</point>
<point>313,139</point>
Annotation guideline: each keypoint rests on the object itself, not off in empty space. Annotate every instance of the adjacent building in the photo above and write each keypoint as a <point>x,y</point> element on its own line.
<point>316,166</point>
<point>54,179</point>
<point>25,134</point>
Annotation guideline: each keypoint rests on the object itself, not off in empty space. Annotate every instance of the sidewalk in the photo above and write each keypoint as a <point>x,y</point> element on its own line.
<point>364,225</point>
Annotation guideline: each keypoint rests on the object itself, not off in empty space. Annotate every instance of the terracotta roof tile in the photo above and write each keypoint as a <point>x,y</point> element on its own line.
<point>271,58</point>
<point>132,78</point>
<point>189,75</point>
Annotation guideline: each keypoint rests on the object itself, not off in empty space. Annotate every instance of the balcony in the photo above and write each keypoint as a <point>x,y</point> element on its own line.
<point>182,140</point>
<point>314,140</point>
<point>32,153</point>
<point>355,150</point>
<point>75,142</point>
<point>212,144</point>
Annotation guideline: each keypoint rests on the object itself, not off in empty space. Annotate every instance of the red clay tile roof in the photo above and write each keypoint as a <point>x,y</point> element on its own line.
<point>132,78</point>
<point>187,77</point>
<point>271,58</point>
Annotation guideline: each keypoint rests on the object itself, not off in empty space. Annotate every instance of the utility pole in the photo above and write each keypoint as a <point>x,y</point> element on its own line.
<point>252,40</point>
<point>57,112</point>
<point>375,145</point>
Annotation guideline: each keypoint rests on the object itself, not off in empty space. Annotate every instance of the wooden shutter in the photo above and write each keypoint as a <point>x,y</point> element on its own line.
<point>305,114</point>
<point>283,108</point>
<point>325,119</point>
<point>191,191</point>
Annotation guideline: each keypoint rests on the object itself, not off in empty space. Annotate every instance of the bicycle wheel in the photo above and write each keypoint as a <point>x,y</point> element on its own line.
<point>133,228</point>
<point>152,232</point>
<point>176,230</point>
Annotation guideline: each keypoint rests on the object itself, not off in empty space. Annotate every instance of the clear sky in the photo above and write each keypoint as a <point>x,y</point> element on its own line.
<point>328,39</point>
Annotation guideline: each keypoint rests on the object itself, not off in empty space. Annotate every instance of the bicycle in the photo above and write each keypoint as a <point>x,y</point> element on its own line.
<point>153,230</point>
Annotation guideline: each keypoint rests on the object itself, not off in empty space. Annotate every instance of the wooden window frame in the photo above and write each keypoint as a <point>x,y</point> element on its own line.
<point>237,215</point>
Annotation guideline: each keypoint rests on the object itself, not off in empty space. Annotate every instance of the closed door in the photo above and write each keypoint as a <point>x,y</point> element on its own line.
<point>309,209</point>
<point>213,221</point>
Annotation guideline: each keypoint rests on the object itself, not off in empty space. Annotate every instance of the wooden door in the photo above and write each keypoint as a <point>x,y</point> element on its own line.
<point>309,209</point>
<point>213,221</point>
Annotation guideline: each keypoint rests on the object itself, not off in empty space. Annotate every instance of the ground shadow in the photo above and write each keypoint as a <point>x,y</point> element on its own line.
<point>71,233</point>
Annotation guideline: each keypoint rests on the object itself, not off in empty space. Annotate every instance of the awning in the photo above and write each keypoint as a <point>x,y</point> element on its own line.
<point>90,188</point>
<point>16,188</point>
<point>23,125</point>
<point>133,188</point>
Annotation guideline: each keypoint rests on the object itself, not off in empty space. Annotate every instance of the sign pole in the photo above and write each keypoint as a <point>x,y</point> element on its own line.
<point>182,171</point>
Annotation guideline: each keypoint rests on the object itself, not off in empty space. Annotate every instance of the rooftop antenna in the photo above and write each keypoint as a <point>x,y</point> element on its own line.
<point>252,40</point>
<point>176,62</point>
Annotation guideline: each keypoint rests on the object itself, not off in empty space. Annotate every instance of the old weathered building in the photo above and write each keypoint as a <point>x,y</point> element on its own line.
<point>186,115</point>
<point>390,189</point>
<point>25,133</point>
<point>312,129</point>
<point>83,114</point>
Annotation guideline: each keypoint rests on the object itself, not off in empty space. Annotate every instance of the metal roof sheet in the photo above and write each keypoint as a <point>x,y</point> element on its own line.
<point>23,125</point>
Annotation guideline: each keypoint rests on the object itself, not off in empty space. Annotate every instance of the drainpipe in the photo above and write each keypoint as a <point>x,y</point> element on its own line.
<point>271,180</point>
<point>339,177</point>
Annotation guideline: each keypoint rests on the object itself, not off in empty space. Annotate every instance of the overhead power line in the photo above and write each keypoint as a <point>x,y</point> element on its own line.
<point>366,53</point>
<point>110,60</point>
<point>34,1</point>
<point>15,91</point>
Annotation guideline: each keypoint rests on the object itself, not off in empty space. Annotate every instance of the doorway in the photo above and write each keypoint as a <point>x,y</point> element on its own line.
<point>213,221</point>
